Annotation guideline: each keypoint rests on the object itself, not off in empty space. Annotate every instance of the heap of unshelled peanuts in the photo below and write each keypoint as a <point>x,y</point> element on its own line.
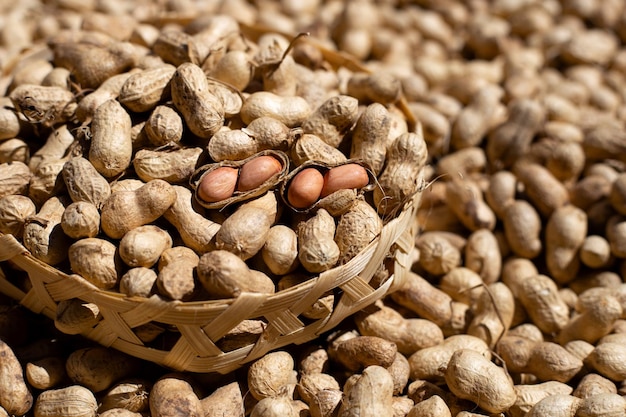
<point>515,305</point>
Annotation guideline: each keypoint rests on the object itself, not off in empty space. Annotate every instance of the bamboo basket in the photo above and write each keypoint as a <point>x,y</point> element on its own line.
<point>201,324</point>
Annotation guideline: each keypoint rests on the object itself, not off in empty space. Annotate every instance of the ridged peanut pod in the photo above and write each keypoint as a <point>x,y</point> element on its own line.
<point>369,139</point>
<point>202,110</point>
<point>108,90</point>
<point>311,148</point>
<point>84,182</point>
<point>14,178</point>
<point>317,250</point>
<point>357,227</point>
<point>195,230</point>
<point>95,260</point>
<point>176,272</point>
<point>47,105</point>
<point>401,177</point>
<point>245,231</point>
<point>46,181</point>
<point>175,166</point>
<point>14,210</point>
<point>71,401</point>
<point>15,396</point>
<point>43,236</point>
<point>332,119</point>
<point>143,90</point>
<point>111,145</point>
<point>371,395</point>
<point>125,210</point>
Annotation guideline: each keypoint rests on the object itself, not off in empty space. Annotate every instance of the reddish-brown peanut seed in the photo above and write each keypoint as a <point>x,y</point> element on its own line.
<point>344,177</point>
<point>305,188</point>
<point>256,171</point>
<point>218,184</point>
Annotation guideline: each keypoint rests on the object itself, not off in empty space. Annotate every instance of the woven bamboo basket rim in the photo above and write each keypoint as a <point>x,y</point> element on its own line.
<point>202,323</point>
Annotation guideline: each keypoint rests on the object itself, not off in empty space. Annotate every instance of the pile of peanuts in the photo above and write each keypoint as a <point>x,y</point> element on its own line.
<point>515,305</point>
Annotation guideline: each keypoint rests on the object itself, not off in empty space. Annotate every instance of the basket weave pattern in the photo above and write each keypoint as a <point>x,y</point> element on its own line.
<point>202,323</point>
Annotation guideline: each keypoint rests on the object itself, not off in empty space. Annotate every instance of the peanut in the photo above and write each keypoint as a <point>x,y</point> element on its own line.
<point>110,150</point>
<point>305,188</point>
<point>317,250</point>
<point>74,400</point>
<point>176,272</point>
<point>291,111</point>
<point>15,397</point>
<point>95,260</point>
<point>125,210</point>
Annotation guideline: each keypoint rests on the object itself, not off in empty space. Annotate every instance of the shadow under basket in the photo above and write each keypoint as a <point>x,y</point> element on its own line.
<point>199,325</point>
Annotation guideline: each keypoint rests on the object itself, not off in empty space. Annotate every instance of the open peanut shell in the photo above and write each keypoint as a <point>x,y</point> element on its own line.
<point>239,196</point>
<point>337,202</point>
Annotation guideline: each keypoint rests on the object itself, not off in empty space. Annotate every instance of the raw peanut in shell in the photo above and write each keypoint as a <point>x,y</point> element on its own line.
<point>245,231</point>
<point>176,47</point>
<point>280,250</point>
<point>440,252</point>
<point>565,232</point>
<point>593,384</point>
<point>14,210</point>
<point>143,90</point>
<point>92,63</point>
<point>111,147</point>
<point>310,147</point>
<point>430,363</point>
<point>317,249</point>
<point>356,229</point>
<point>608,360</point>
<point>231,145</point>
<point>143,246</point>
<point>256,171</point>
<point>98,367</point>
<point>409,335</point>
<point>500,192</point>
<point>362,351</point>
<point>174,166</point>
<point>545,191</point>
<point>433,406</point>
<point>46,181</point>
<point>346,176</point>
<point>225,275</point>
<point>56,147</point>
<point>332,119</point>
<point>14,150</point>
<point>598,312</point>
<point>401,177</point>
<point>9,124</point>
<point>126,210</point>
<point>482,255</point>
<point>80,220</point>
<point>550,361</point>
<point>45,373</point>
<point>226,401</point>
<point>108,90</point>
<point>421,297</point>
<point>493,313</point>
<point>473,377</point>
<point>305,188</point>
<point>39,104</point>
<point>465,199</point>
<point>556,405</point>
<point>138,282</point>
<point>272,375</point>
<point>43,235</point>
<point>522,226</point>
<point>172,395</point>
<point>369,138</point>
<point>14,178</point>
<point>539,296</point>
<point>194,228</point>
<point>176,272</point>
<point>95,260</point>
<point>529,395</point>
<point>234,68</point>
<point>74,400</point>
<point>164,126</point>
<point>218,184</point>
<point>605,404</point>
<point>129,394</point>
<point>84,182</point>
<point>291,111</point>
<point>191,95</point>
<point>15,396</point>
<point>270,133</point>
<point>371,394</point>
